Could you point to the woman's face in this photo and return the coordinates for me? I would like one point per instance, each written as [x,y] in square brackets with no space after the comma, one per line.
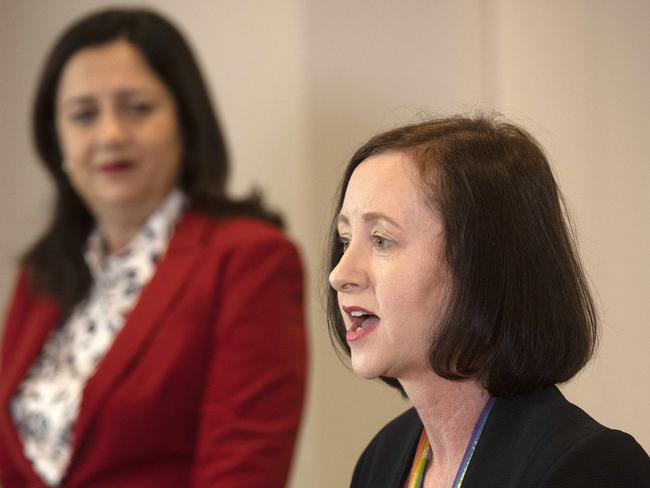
[391,281]
[118,130]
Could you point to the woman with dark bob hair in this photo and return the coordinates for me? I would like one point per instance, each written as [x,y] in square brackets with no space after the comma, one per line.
[155,336]
[456,280]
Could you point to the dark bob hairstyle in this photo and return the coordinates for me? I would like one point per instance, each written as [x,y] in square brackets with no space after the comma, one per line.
[56,262]
[520,315]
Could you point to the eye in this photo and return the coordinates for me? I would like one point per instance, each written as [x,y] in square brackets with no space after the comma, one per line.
[138,108]
[345,243]
[381,242]
[82,116]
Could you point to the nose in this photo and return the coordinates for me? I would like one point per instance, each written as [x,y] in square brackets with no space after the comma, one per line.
[112,129]
[350,274]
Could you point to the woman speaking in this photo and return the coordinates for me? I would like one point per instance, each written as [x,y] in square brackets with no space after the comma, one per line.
[454,278]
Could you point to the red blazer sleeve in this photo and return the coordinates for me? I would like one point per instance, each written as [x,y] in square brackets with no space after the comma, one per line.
[254,390]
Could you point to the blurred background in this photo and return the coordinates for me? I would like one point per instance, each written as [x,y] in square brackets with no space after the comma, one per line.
[300,84]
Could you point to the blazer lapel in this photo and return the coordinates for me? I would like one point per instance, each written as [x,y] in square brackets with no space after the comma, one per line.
[173,271]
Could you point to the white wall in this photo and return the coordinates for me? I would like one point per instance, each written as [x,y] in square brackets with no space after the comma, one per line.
[300,84]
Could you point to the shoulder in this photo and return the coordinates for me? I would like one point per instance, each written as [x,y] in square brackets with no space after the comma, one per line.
[222,240]
[24,305]
[390,452]
[544,440]
[236,232]
[24,295]
[582,452]
[602,458]
[242,250]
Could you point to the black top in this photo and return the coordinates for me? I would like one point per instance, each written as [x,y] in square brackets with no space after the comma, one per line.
[535,440]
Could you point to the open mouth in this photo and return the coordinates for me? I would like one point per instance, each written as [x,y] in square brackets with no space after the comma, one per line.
[361,319]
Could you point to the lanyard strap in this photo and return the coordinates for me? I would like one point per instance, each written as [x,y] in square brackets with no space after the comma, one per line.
[423,453]
[420,462]
[478,428]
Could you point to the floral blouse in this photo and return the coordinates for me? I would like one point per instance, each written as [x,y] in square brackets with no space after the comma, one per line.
[46,404]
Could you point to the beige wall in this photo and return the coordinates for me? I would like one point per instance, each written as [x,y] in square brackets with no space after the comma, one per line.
[301,83]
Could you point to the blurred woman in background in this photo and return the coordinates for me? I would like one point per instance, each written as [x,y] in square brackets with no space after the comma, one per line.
[155,336]
[455,279]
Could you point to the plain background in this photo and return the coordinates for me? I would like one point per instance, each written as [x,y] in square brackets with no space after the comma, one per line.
[300,84]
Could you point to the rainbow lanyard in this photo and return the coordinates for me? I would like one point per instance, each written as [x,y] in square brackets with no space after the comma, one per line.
[420,462]
[423,453]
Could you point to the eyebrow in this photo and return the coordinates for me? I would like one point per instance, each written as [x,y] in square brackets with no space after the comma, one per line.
[81,99]
[368,217]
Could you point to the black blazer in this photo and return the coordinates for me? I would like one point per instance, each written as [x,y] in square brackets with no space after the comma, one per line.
[535,440]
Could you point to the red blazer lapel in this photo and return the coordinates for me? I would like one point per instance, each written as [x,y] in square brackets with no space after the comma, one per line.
[172,273]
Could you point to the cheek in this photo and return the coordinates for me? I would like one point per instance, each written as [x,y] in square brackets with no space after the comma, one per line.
[163,143]
[418,281]
[416,295]
[170,138]
[73,146]
[167,128]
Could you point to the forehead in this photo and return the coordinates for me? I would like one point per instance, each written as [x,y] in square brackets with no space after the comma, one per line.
[386,183]
[102,69]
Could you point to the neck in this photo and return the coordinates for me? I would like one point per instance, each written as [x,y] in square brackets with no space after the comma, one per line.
[118,228]
[449,411]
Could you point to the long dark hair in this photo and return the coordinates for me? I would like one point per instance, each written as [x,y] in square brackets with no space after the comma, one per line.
[56,263]
[520,315]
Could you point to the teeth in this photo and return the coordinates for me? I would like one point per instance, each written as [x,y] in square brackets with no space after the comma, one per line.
[358,313]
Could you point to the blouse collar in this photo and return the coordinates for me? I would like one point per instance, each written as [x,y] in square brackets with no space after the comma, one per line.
[152,236]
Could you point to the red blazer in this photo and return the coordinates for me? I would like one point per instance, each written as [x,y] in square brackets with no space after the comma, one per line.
[204,384]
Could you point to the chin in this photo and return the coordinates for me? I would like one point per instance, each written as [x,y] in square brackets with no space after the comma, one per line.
[125,198]
[368,370]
